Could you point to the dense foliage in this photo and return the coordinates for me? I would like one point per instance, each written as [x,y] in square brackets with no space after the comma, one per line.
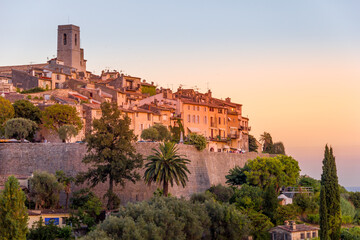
[39,231]
[166,166]
[13,213]
[199,141]
[20,128]
[110,153]
[66,132]
[158,132]
[44,190]
[57,115]
[34,90]
[25,109]
[171,218]
[6,111]
[253,147]
[330,213]
[280,171]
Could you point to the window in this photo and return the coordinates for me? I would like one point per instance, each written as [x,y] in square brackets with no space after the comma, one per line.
[219,120]
[188,107]
[189,118]
[64,38]
[193,120]
[164,117]
[198,108]
[198,119]
[149,116]
[220,110]
[75,39]
[302,236]
[313,234]
[57,76]
[205,119]
[204,109]
[193,108]
[137,114]
[308,235]
[211,109]
[224,121]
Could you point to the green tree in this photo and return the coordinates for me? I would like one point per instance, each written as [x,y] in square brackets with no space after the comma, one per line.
[13,213]
[347,208]
[278,148]
[248,197]
[271,203]
[45,190]
[66,182]
[25,109]
[57,115]
[280,171]
[176,131]
[285,212]
[164,134]
[221,193]
[6,112]
[39,231]
[66,132]
[237,175]
[150,134]
[88,207]
[166,166]
[306,181]
[330,213]
[305,203]
[354,197]
[267,141]
[252,144]
[111,153]
[199,141]
[20,128]
[260,224]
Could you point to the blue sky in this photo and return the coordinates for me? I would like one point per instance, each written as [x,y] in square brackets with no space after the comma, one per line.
[294,65]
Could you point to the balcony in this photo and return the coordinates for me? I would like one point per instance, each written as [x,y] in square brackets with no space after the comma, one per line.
[218,139]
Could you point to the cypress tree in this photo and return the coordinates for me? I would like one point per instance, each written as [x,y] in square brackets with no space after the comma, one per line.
[330,213]
[13,213]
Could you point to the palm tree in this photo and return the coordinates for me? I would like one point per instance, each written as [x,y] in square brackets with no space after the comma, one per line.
[66,182]
[166,165]
[267,141]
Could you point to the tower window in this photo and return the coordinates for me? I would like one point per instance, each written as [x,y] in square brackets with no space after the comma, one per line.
[65,39]
[75,39]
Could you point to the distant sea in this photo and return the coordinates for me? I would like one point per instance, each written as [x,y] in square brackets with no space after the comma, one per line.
[353,189]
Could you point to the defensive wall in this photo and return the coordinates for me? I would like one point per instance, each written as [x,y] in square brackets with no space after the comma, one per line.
[207,168]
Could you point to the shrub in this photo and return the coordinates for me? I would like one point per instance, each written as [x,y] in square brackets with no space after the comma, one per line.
[221,193]
[20,128]
[313,218]
[350,233]
[199,141]
[34,90]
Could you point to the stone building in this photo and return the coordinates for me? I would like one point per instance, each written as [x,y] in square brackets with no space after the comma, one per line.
[68,49]
[293,231]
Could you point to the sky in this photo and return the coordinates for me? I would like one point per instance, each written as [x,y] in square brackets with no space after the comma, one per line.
[294,65]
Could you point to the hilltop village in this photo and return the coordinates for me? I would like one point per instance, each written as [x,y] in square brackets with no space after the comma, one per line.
[66,81]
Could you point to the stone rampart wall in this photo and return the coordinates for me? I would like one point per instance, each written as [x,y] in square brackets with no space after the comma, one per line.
[207,168]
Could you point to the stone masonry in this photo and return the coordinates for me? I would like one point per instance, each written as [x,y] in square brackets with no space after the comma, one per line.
[207,168]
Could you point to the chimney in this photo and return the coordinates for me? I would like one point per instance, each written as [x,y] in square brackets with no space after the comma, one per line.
[152,83]
[293,225]
[228,99]
[286,223]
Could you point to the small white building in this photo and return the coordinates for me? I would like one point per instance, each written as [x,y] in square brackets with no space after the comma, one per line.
[284,200]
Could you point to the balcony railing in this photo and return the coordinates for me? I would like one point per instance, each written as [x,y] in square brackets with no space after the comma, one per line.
[218,139]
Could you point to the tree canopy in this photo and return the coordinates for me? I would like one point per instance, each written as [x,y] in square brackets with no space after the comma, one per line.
[13,212]
[158,132]
[198,140]
[25,109]
[20,128]
[252,144]
[6,111]
[110,152]
[45,190]
[57,115]
[280,171]
[66,132]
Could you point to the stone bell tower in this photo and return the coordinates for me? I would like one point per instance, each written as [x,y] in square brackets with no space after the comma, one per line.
[68,49]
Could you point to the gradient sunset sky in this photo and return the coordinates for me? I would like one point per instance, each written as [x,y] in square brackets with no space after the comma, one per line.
[294,65]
